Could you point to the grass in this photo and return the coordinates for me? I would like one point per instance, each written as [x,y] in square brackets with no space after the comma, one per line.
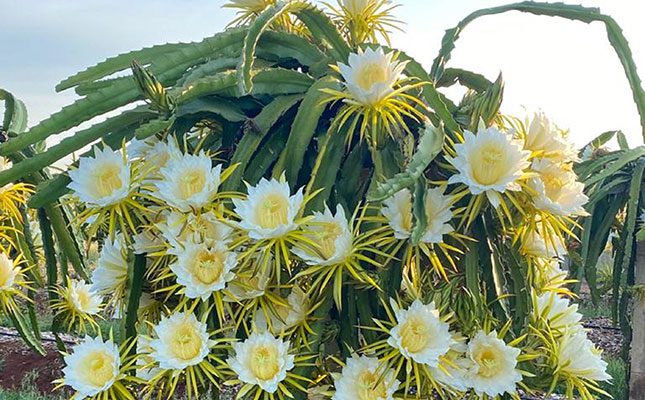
[618,387]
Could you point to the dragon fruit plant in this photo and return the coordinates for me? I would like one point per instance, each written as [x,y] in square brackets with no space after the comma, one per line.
[292,208]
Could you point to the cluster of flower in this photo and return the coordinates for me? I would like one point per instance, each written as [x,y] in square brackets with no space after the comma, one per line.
[200,252]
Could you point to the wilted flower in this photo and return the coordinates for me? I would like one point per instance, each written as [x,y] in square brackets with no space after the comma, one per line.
[269,211]
[362,378]
[493,365]
[490,162]
[103,180]
[262,360]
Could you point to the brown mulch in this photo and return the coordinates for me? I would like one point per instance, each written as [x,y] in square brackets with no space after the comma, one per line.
[605,335]
[22,366]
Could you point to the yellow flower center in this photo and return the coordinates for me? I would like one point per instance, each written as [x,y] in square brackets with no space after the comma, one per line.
[209,266]
[264,362]
[405,210]
[6,273]
[273,211]
[186,342]
[489,165]
[328,235]
[83,299]
[99,368]
[369,387]
[488,362]
[553,184]
[108,180]
[371,74]
[192,182]
[415,335]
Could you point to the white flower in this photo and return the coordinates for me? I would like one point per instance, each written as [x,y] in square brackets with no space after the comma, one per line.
[492,370]
[557,310]
[147,242]
[146,365]
[371,75]
[189,182]
[420,334]
[84,298]
[269,211]
[535,245]
[362,379]
[202,269]
[202,228]
[5,164]
[544,139]
[557,188]
[93,367]
[577,356]
[112,267]
[398,211]
[261,360]
[153,151]
[181,341]
[438,214]
[490,162]
[245,286]
[9,272]
[333,235]
[103,180]
[551,272]
[285,317]
[454,365]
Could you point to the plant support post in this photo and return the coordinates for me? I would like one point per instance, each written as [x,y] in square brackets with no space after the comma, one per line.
[637,379]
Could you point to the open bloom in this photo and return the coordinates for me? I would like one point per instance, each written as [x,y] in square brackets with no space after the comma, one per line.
[93,367]
[492,370]
[557,188]
[544,139]
[371,75]
[269,211]
[201,228]
[202,269]
[420,334]
[579,357]
[83,298]
[398,211]
[362,379]
[112,267]
[181,341]
[103,180]
[332,234]
[9,272]
[490,162]
[283,317]
[146,365]
[189,182]
[155,152]
[262,360]
[557,310]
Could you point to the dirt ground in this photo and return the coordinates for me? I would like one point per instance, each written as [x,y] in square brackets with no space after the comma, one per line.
[21,366]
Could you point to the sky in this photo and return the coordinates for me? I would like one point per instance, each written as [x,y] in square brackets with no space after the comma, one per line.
[566,69]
